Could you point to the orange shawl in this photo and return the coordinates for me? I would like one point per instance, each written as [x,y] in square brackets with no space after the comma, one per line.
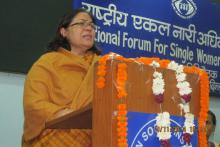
[56,81]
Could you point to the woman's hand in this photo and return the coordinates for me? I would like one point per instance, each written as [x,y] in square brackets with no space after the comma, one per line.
[61,113]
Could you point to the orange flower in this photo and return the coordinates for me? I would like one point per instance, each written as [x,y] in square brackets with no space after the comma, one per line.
[122,106]
[122,140]
[122,112]
[122,134]
[122,129]
[164,63]
[121,118]
[121,58]
[100,83]
[121,78]
[122,144]
[101,72]
[122,124]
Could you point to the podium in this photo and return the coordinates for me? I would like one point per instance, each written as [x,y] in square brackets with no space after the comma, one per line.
[101,115]
[140,98]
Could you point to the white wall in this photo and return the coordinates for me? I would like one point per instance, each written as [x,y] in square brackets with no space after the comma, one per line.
[11,110]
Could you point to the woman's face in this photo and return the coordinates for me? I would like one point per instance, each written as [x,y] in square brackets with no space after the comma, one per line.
[80,33]
[210,127]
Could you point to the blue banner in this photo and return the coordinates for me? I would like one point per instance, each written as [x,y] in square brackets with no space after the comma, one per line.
[186,31]
[142,132]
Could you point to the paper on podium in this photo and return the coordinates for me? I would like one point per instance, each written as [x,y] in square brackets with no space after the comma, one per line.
[80,119]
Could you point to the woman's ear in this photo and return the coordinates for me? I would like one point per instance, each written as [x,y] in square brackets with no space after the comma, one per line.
[63,32]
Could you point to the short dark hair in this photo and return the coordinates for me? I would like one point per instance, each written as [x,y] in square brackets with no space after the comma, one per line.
[60,41]
[213,117]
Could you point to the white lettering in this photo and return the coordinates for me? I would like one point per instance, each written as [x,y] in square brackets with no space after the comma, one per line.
[207,58]
[161,48]
[135,43]
[139,144]
[108,37]
[181,53]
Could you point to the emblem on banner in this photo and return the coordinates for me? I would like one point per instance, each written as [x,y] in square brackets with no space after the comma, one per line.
[184,8]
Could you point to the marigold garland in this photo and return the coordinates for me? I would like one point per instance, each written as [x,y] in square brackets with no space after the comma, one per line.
[122,108]
[204,102]
[101,71]
[121,78]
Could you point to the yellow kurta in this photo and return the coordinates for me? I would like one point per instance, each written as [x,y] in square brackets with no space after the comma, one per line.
[56,81]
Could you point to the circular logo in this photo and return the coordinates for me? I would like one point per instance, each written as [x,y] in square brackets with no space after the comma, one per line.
[184,8]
